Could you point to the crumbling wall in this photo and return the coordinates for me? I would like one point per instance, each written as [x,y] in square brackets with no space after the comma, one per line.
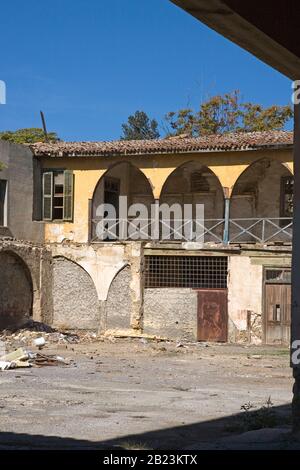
[25,283]
[171,313]
[104,262]
[16,293]
[118,307]
[75,300]
[245,285]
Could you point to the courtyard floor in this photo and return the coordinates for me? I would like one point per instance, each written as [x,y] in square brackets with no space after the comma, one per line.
[135,394]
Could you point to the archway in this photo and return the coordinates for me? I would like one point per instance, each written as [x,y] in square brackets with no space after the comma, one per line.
[75,299]
[193,183]
[262,203]
[122,179]
[16,291]
[119,304]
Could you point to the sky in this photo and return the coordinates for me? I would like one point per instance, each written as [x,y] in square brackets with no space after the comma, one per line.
[90,64]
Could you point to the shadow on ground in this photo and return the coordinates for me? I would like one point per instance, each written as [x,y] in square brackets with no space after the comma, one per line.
[264,428]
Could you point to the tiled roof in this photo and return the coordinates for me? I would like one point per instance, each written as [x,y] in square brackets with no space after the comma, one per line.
[210,143]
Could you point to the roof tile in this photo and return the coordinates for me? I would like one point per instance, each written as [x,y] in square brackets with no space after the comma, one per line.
[210,143]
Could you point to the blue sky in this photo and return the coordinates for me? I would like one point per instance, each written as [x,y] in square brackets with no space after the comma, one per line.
[89,64]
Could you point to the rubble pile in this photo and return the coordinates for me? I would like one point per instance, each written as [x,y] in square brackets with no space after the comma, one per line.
[33,330]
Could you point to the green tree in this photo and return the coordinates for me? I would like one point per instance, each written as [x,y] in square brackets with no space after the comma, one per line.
[140,127]
[28,136]
[226,113]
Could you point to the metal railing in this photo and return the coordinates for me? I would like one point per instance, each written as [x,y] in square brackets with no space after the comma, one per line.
[261,230]
[239,231]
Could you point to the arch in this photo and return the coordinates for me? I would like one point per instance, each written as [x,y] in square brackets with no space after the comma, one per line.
[258,193]
[16,290]
[75,299]
[186,164]
[118,305]
[121,179]
[244,168]
[194,183]
[261,171]
[116,164]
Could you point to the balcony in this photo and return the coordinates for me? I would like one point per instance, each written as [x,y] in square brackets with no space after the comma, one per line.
[219,231]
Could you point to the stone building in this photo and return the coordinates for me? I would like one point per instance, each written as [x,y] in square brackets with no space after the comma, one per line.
[233,286]
[25,263]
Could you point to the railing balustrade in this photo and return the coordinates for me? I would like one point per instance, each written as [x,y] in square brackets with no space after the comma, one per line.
[240,231]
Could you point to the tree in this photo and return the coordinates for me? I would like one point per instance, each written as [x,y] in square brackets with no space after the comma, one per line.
[226,113]
[28,136]
[140,127]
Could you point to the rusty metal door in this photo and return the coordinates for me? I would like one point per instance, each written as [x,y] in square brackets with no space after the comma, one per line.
[212,315]
[277,313]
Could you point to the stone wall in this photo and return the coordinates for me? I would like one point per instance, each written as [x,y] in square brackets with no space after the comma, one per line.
[25,283]
[118,307]
[75,300]
[19,171]
[171,313]
[245,283]
[16,293]
[114,271]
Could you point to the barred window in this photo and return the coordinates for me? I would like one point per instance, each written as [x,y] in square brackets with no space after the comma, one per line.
[198,272]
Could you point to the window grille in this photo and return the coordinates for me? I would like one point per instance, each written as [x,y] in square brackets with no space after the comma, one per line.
[198,272]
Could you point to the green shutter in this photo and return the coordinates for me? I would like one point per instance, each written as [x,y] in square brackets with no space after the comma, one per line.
[68,195]
[47,195]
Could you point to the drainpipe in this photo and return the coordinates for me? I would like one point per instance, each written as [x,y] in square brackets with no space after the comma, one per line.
[295,320]
[226,216]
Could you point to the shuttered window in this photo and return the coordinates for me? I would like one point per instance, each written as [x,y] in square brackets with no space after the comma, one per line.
[68,195]
[47,195]
[58,195]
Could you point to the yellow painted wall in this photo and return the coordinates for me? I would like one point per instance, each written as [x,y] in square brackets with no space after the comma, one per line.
[227,166]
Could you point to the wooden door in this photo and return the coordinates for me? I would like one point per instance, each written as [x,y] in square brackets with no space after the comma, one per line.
[277,313]
[212,315]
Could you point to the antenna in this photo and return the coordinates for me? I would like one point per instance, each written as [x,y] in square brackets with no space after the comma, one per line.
[44,125]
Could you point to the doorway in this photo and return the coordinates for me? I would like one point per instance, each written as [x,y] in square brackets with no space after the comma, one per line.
[277,305]
[212,315]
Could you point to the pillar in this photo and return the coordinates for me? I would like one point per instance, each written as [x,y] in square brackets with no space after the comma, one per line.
[226,216]
[295,320]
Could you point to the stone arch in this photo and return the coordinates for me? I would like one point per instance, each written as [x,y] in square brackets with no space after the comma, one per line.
[118,306]
[243,168]
[75,299]
[121,179]
[260,186]
[137,176]
[195,183]
[258,203]
[16,290]
[189,174]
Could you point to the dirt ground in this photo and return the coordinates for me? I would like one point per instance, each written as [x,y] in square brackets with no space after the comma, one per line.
[133,393]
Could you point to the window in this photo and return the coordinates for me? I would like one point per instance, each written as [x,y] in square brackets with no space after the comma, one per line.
[3,209]
[58,195]
[278,276]
[286,196]
[198,272]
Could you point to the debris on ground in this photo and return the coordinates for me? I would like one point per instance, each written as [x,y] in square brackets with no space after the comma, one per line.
[22,358]
[39,342]
[38,334]
[47,360]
